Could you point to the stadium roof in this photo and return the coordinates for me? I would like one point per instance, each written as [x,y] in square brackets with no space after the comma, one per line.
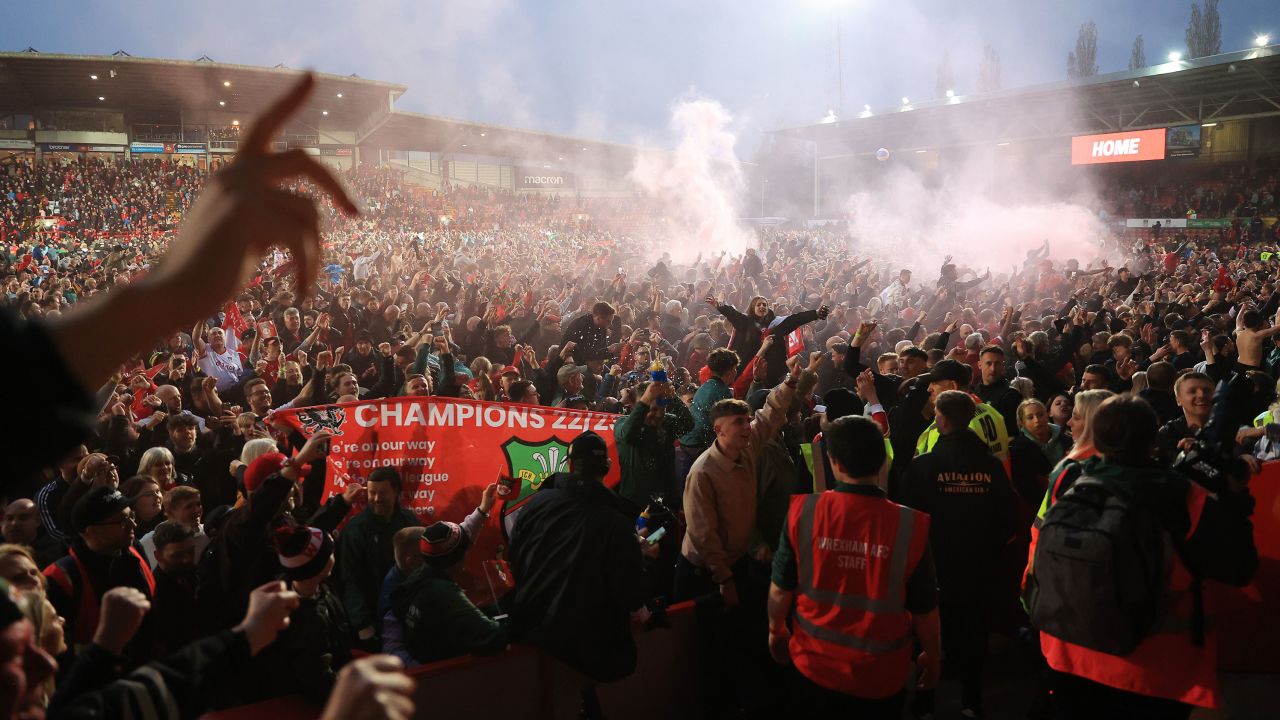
[1231,86]
[414,131]
[161,88]
[155,90]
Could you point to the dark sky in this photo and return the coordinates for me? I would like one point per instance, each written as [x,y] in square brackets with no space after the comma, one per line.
[613,70]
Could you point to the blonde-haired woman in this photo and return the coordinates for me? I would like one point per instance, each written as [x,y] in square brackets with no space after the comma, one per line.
[157,464]
[1034,451]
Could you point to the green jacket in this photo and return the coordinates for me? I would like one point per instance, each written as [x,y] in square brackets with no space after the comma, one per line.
[647,455]
[365,556]
[710,393]
[439,621]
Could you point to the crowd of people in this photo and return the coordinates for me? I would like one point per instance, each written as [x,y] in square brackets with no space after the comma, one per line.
[849,466]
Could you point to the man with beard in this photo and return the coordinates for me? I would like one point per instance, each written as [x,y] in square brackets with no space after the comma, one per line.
[368,553]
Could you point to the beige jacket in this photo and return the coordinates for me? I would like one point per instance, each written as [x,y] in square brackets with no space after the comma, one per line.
[720,494]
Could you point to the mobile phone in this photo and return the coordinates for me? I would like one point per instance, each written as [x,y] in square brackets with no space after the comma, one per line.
[655,536]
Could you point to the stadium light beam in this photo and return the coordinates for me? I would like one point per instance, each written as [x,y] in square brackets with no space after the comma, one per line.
[1262,40]
[1175,56]
[235,123]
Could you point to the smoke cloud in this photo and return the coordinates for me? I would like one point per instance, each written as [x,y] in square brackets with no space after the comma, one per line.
[699,185]
[915,221]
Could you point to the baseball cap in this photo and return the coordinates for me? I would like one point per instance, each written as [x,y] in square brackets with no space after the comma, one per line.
[952,370]
[842,402]
[507,370]
[97,505]
[588,445]
[567,371]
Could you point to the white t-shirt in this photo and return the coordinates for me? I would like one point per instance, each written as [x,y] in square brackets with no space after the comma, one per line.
[225,366]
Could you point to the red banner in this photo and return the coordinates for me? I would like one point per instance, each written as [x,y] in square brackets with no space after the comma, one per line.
[447,451]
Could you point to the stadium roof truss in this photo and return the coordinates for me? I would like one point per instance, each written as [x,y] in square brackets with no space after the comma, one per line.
[150,90]
[1232,86]
[162,89]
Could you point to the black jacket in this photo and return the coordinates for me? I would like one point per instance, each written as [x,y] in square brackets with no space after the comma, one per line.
[1001,396]
[307,656]
[579,575]
[964,489]
[748,333]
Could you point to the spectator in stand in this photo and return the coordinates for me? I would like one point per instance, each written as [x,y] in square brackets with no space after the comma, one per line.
[720,513]
[645,440]
[1172,669]
[317,643]
[101,557]
[1194,394]
[581,572]
[144,495]
[18,567]
[175,580]
[1159,391]
[181,505]
[436,617]
[723,367]
[21,526]
[409,558]
[367,552]
[993,386]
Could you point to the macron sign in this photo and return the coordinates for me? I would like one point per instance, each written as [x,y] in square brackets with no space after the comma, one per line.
[1118,147]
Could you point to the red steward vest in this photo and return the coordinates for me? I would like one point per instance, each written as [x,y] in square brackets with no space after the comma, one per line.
[851,632]
[1168,664]
[88,598]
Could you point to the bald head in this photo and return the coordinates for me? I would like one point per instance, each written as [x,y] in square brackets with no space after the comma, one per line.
[21,522]
[171,397]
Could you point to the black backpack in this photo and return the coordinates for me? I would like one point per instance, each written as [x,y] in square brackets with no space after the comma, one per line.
[1101,566]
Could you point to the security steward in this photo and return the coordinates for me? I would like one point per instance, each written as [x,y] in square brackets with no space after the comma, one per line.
[854,574]
[965,491]
[987,422]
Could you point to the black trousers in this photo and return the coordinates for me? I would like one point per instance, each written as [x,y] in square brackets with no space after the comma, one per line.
[1076,698]
[964,653]
[735,672]
[814,701]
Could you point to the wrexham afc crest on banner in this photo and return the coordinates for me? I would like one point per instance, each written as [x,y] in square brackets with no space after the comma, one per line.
[532,463]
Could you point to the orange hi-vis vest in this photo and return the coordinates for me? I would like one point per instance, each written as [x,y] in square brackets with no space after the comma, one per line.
[851,632]
[1168,663]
